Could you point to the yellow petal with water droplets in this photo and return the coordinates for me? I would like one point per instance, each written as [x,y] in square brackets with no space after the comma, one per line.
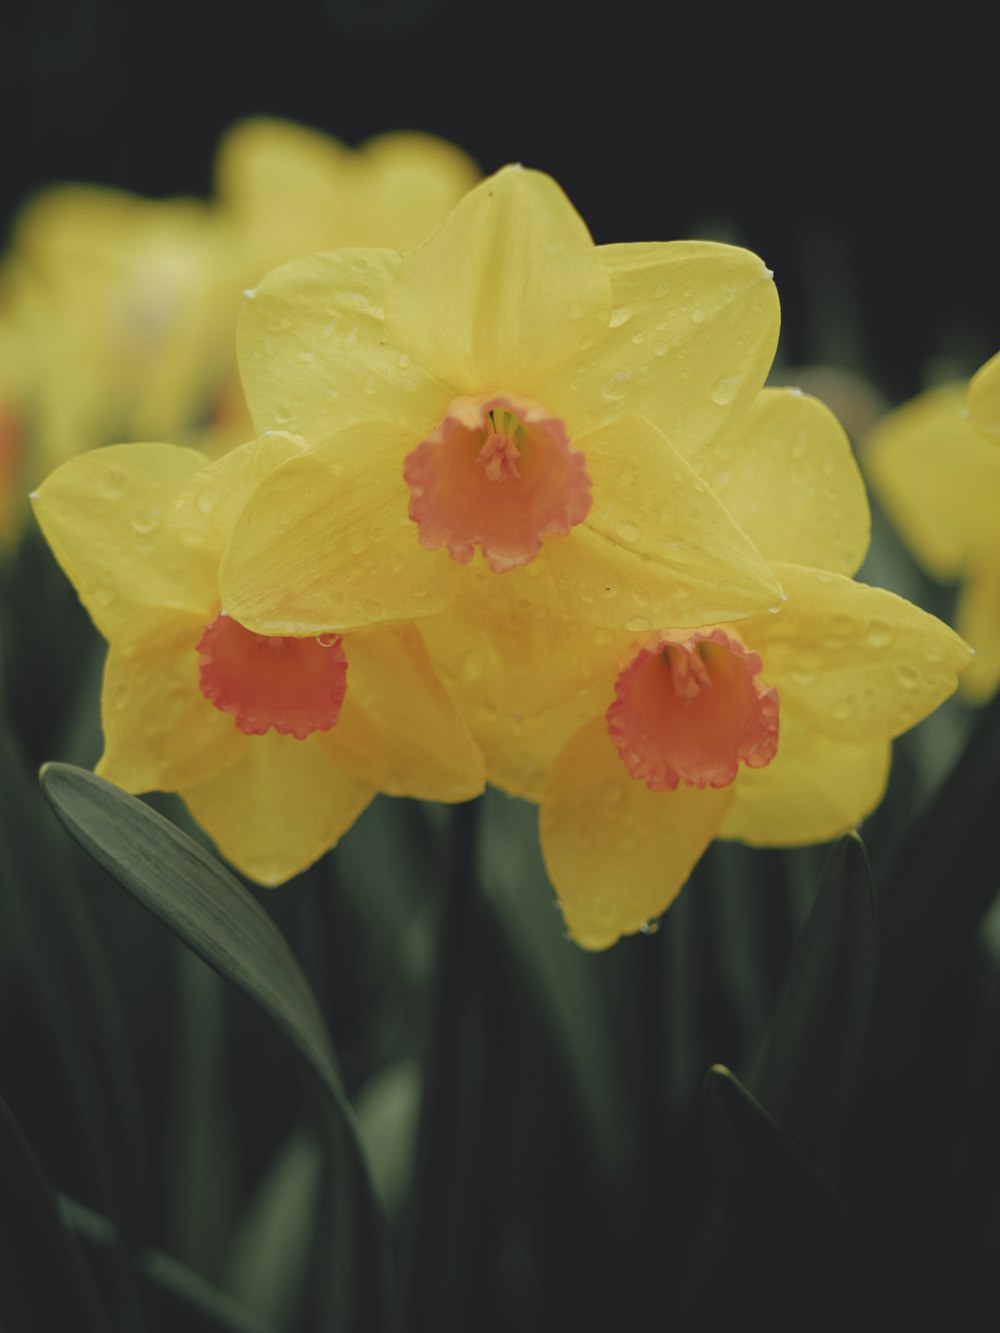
[787,475]
[325,543]
[279,807]
[937,478]
[812,790]
[657,549]
[508,648]
[984,400]
[315,354]
[398,730]
[508,288]
[160,732]
[978,619]
[102,514]
[857,663]
[617,853]
[206,510]
[691,337]
[520,752]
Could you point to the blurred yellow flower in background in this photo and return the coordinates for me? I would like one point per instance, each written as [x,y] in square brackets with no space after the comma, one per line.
[125,308]
[275,745]
[938,477]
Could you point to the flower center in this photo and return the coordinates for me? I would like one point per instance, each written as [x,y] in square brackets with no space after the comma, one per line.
[690,708]
[294,685]
[497,473]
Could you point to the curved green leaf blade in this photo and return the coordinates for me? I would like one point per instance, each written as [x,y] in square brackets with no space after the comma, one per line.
[213,914]
[44,1282]
[177,1292]
[813,1046]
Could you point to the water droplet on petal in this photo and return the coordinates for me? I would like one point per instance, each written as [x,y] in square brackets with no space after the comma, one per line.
[726,390]
[619,316]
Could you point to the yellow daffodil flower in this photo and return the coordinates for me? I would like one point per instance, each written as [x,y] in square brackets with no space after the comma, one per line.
[774,730]
[128,305]
[275,745]
[289,191]
[938,477]
[787,476]
[507,391]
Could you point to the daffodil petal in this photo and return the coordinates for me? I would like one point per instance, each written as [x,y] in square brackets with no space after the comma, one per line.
[315,354]
[812,790]
[206,510]
[657,548]
[102,515]
[404,185]
[857,663]
[510,648]
[938,479]
[978,620]
[692,334]
[279,807]
[160,732]
[617,853]
[398,730]
[520,751]
[984,399]
[325,543]
[787,475]
[506,289]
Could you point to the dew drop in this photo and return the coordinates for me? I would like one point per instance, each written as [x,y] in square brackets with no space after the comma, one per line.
[638,624]
[627,532]
[698,316]
[113,483]
[726,390]
[617,386]
[908,676]
[879,635]
[144,521]
[619,316]
[327,640]
[842,710]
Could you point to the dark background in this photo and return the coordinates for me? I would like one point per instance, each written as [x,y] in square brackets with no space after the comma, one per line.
[858,161]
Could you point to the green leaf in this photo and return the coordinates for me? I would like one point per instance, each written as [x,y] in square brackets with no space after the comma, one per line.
[939,883]
[781,1246]
[52,935]
[176,1291]
[757,1158]
[812,1049]
[44,1281]
[215,916]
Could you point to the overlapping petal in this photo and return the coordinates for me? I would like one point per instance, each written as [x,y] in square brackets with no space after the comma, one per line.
[812,790]
[102,514]
[938,479]
[984,400]
[616,852]
[326,543]
[856,663]
[690,340]
[160,732]
[398,730]
[316,356]
[508,288]
[657,548]
[205,510]
[509,649]
[278,807]
[787,475]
